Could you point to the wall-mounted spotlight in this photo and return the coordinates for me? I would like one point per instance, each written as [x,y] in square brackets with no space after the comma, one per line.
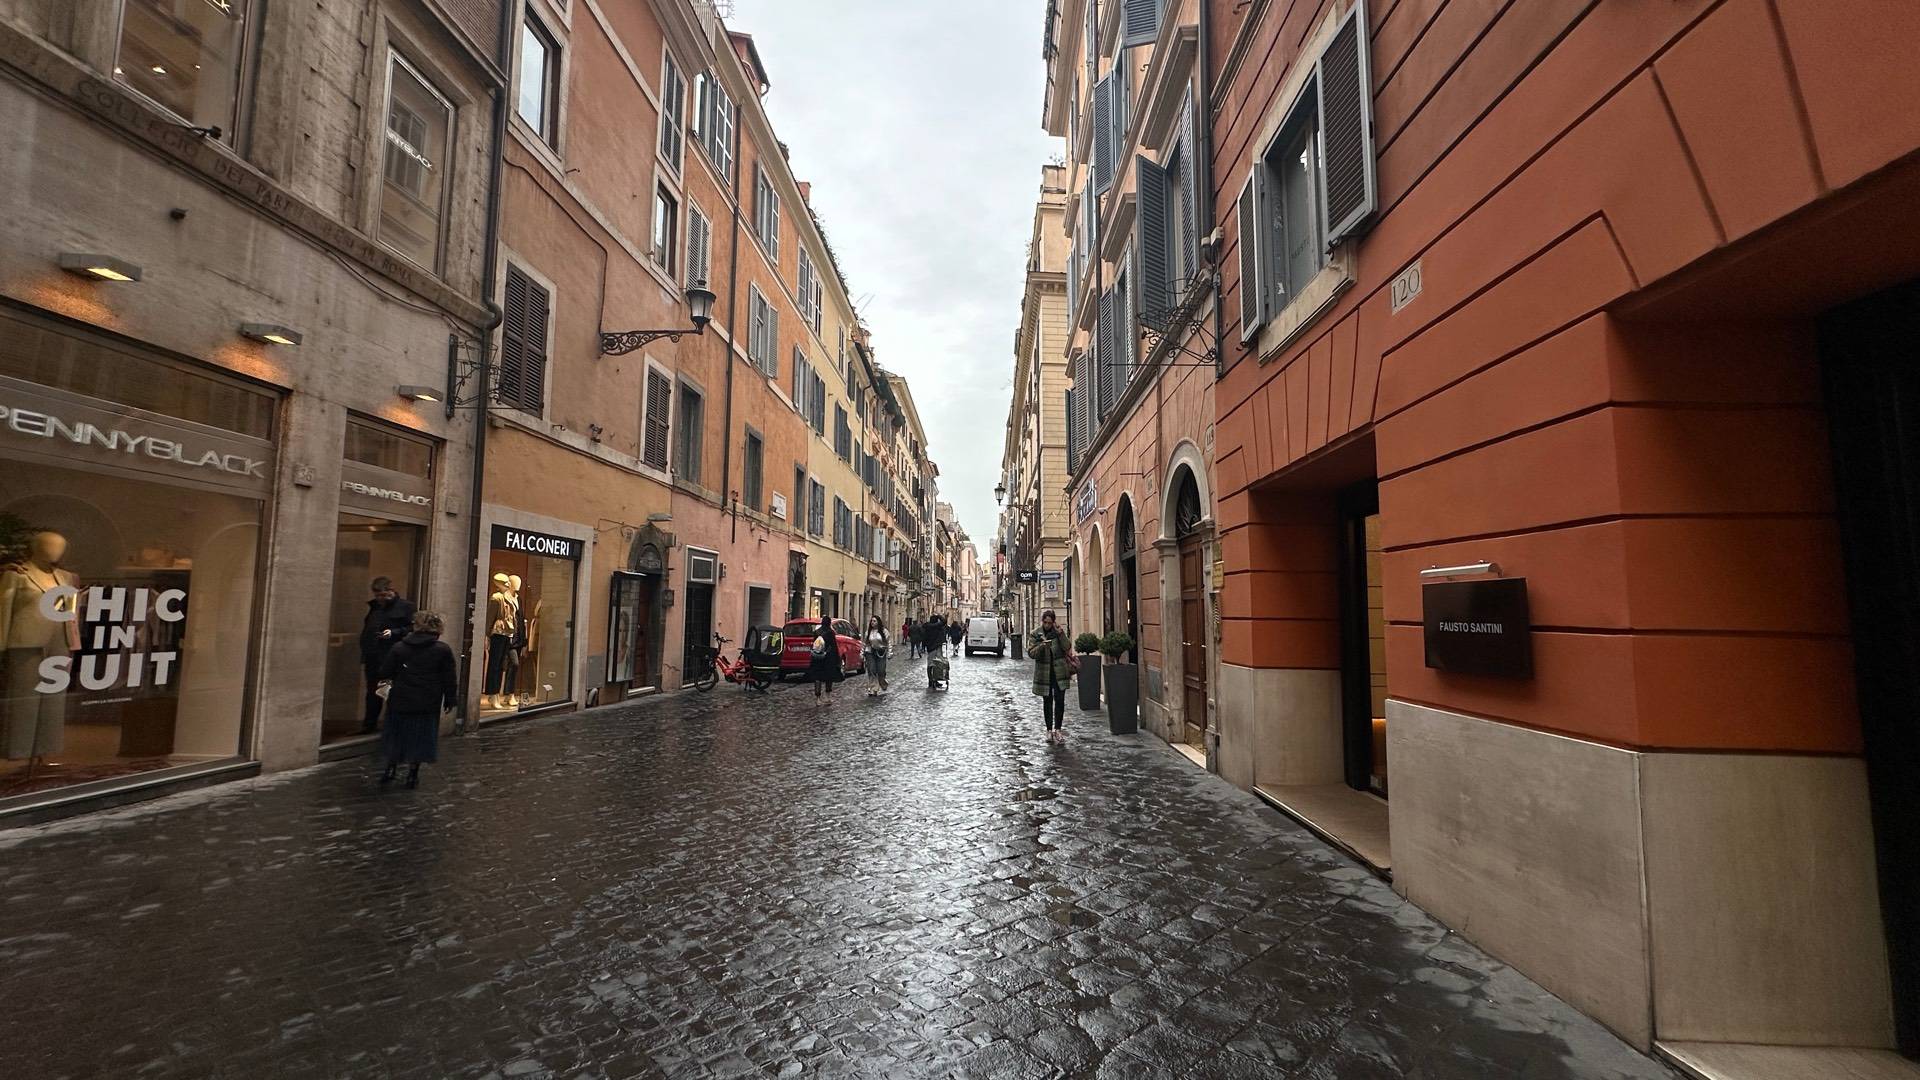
[98,267]
[269,333]
[417,393]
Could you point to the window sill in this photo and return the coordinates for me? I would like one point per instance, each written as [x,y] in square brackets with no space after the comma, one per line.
[534,144]
[1305,310]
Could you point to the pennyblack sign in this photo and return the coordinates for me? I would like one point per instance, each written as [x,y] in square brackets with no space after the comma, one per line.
[1479,627]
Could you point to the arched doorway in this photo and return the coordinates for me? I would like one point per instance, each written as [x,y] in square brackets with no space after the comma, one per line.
[1189,537]
[1127,575]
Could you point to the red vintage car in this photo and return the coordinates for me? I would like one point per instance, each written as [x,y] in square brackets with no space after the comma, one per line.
[797,654]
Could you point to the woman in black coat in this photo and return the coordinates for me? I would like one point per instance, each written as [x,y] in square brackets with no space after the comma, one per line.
[424,682]
[824,668]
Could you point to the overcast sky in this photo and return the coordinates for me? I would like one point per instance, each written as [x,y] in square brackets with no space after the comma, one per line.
[920,133]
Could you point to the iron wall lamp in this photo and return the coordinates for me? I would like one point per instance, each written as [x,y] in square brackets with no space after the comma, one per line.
[699,307]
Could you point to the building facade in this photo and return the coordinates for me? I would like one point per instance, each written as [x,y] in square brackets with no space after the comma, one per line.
[1123,89]
[1567,362]
[255,252]
[1031,549]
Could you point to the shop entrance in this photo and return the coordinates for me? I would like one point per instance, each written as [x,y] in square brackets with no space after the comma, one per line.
[1363,642]
[1193,610]
[702,576]
[1870,360]
[366,549]
[1128,587]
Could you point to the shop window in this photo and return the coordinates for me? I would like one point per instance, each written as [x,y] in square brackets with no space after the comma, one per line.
[538,102]
[529,620]
[666,228]
[413,194]
[686,458]
[185,54]
[127,579]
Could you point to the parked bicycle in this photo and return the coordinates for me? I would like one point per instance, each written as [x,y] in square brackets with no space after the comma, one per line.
[717,666]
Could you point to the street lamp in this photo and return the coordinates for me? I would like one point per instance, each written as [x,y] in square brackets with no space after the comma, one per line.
[699,305]
[999,493]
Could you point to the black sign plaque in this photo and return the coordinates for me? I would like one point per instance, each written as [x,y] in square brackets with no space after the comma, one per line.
[1479,627]
[508,538]
[1026,577]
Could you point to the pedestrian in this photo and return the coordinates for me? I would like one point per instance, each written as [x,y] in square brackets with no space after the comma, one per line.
[906,635]
[422,685]
[956,632]
[389,618]
[824,669]
[1053,669]
[876,656]
[934,635]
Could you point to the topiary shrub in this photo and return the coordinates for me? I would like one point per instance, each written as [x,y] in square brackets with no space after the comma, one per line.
[1116,645]
[1087,644]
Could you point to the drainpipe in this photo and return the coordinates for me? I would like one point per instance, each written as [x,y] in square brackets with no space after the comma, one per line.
[490,266]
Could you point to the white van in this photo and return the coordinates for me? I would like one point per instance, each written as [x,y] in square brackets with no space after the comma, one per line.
[983,634]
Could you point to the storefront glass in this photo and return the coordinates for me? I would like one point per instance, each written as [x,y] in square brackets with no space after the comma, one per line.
[131,493]
[386,499]
[529,620]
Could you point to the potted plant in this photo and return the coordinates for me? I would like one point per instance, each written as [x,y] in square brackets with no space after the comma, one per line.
[1088,646]
[1122,683]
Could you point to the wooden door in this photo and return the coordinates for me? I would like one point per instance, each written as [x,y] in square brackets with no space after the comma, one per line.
[1193,640]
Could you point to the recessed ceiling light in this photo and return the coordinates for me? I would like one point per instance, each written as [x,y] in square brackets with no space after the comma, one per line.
[157,70]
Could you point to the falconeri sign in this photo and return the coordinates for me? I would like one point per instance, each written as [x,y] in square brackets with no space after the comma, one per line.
[507,538]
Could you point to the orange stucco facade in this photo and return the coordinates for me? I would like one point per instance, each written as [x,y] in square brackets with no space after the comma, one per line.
[1579,392]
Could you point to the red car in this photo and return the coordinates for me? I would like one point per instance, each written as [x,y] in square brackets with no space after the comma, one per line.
[797,654]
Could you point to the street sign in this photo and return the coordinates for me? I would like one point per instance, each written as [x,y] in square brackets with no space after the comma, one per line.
[1025,577]
[1049,575]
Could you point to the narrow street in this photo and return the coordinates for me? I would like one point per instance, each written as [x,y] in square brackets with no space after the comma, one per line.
[734,885]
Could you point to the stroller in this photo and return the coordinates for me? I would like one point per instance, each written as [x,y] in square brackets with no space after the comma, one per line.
[937,671]
[762,650]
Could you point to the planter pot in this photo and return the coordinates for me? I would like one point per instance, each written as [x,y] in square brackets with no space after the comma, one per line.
[1089,681]
[1122,682]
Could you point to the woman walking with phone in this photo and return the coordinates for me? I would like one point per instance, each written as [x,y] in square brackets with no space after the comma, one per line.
[1053,669]
[876,656]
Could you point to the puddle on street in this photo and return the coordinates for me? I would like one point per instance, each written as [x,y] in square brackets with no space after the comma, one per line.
[1076,917]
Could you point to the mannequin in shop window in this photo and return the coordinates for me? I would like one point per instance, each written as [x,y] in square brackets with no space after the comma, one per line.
[505,638]
[36,722]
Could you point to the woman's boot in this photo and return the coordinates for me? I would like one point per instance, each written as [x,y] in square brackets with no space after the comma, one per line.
[413,776]
[392,768]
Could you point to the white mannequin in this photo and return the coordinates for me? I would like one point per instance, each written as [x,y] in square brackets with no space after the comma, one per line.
[35,722]
[503,619]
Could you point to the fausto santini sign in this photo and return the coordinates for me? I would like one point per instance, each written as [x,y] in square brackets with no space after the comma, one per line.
[1479,627]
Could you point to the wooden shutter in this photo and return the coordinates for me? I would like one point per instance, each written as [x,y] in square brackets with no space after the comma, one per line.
[1103,148]
[699,247]
[1128,340]
[1073,441]
[1152,243]
[1141,22]
[1189,208]
[653,448]
[1107,348]
[801,384]
[1253,242]
[523,344]
[1346,129]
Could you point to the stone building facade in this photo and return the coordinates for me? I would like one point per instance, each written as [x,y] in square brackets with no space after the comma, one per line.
[249,248]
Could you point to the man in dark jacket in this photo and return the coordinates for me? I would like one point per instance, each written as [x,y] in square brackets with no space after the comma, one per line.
[389,617]
[936,635]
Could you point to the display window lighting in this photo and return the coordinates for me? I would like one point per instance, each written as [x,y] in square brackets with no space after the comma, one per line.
[99,267]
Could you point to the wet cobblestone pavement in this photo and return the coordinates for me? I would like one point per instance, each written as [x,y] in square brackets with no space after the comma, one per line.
[728,885]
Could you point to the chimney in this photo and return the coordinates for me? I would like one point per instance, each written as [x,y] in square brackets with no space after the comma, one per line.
[806,192]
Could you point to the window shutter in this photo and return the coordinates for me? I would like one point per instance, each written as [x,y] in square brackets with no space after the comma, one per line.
[1073,441]
[1129,336]
[1189,208]
[1103,134]
[799,382]
[1108,353]
[1346,129]
[699,247]
[659,395]
[1141,23]
[1153,279]
[1253,242]
[769,358]
[523,344]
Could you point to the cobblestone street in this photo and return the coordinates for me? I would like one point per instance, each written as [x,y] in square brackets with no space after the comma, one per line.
[736,885]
